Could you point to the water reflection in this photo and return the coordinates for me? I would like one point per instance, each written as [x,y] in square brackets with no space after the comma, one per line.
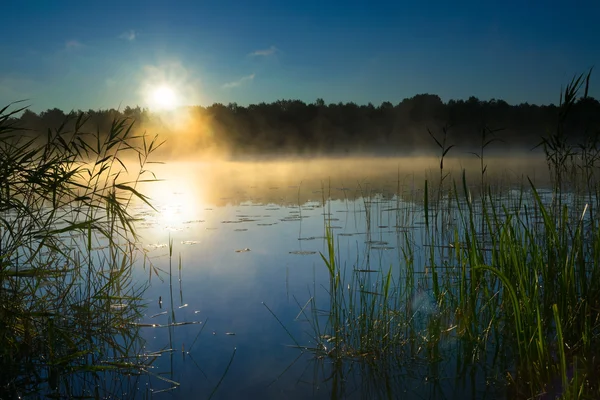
[248,234]
[68,331]
[233,300]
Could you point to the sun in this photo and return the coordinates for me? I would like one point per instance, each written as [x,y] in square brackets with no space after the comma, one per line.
[164,97]
[167,87]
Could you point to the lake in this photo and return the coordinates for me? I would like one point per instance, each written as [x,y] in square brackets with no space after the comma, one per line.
[249,286]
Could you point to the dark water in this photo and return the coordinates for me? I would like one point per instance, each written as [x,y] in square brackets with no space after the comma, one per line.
[246,243]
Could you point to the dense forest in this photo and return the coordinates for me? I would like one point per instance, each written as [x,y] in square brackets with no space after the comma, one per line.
[289,127]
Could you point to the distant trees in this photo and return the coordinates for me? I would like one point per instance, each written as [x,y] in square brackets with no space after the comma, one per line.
[292,126]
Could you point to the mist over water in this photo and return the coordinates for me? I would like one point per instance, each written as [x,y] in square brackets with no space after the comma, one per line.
[302,179]
[244,233]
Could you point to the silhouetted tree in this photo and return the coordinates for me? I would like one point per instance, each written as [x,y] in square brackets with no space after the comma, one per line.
[292,126]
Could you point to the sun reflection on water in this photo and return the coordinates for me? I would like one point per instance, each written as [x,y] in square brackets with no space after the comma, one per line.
[177,200]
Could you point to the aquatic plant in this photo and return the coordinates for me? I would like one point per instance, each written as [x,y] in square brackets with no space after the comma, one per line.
[510,288]
[67,244]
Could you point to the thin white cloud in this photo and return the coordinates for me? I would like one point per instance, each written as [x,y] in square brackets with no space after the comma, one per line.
[265,52]
[73,44]
[239,82]
[129,35]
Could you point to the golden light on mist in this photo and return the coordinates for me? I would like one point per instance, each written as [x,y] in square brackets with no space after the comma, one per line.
[171,91]
[192,186]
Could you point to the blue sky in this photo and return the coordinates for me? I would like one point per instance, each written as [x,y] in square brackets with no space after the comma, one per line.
[105,54]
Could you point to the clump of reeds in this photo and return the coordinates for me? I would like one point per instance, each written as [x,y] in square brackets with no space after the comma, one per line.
[67,244]
[522,301]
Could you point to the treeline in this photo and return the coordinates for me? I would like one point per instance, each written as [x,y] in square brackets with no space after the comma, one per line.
[295,127]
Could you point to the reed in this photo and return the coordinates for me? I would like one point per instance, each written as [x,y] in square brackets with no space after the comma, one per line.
[67,245]
[511,284]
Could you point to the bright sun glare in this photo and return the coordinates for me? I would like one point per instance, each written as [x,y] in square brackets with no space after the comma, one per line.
[164,98]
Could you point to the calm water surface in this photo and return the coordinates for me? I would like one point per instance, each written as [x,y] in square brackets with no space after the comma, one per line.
[247,236]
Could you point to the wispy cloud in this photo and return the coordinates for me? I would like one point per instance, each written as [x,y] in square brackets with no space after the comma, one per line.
[239,82]
[265,52]
[129,35]
[73,44]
